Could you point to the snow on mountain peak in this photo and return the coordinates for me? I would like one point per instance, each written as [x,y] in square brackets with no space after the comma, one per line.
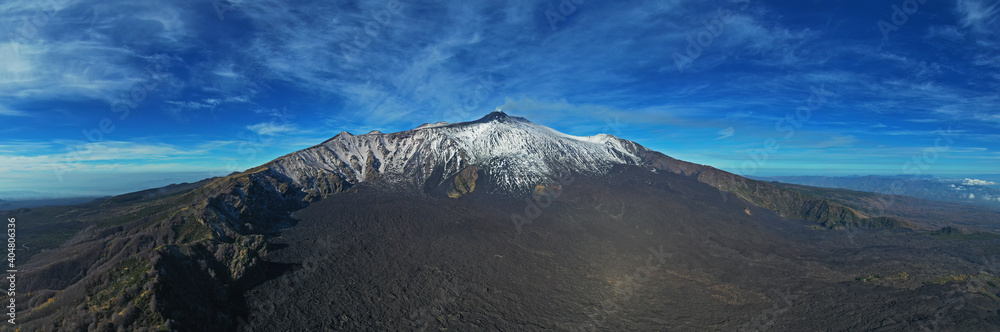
[433,125]
[499,116]
[513,151]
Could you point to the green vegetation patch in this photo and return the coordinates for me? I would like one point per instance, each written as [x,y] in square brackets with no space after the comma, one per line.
[130,272]
[126,297]
[874,277]
[951,278]
[191,231]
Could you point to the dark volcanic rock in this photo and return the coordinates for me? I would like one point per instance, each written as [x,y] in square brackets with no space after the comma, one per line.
[496,224]
[634,251]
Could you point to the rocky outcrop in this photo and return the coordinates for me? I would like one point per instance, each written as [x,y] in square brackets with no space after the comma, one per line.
[464,183]
[253,202]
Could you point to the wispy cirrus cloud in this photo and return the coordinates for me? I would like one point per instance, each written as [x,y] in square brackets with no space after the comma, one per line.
[4,111]
[726,133]
[270,128]
[109,155]
[979,15]
[608,68]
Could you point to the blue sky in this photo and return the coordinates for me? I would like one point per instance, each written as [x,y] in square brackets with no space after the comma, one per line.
[104,97]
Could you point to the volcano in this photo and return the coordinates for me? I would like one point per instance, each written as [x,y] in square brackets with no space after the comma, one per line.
[501,224]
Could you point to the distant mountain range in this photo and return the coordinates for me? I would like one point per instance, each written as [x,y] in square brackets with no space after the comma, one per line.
[966,190]
[501,224]
[30,203]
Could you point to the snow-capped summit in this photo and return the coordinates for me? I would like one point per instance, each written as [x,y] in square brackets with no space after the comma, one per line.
[499,116]
[513,151]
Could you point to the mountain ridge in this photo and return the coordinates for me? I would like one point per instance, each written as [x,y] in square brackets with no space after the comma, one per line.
[217,232]
[513,160]
[505,150]
[926,187]
[516,151]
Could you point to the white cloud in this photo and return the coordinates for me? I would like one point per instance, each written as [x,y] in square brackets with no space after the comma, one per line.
[10,112]
[270,128]
[208,103]
[977,182]
[23,147]
[104,156]
[948,32]
[726,133]
[977,14]
[83,50]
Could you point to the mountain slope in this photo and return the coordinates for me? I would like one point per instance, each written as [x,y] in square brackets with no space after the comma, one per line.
[631,250]
[519,155]
[199,250]
[925,213]
[515,152]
